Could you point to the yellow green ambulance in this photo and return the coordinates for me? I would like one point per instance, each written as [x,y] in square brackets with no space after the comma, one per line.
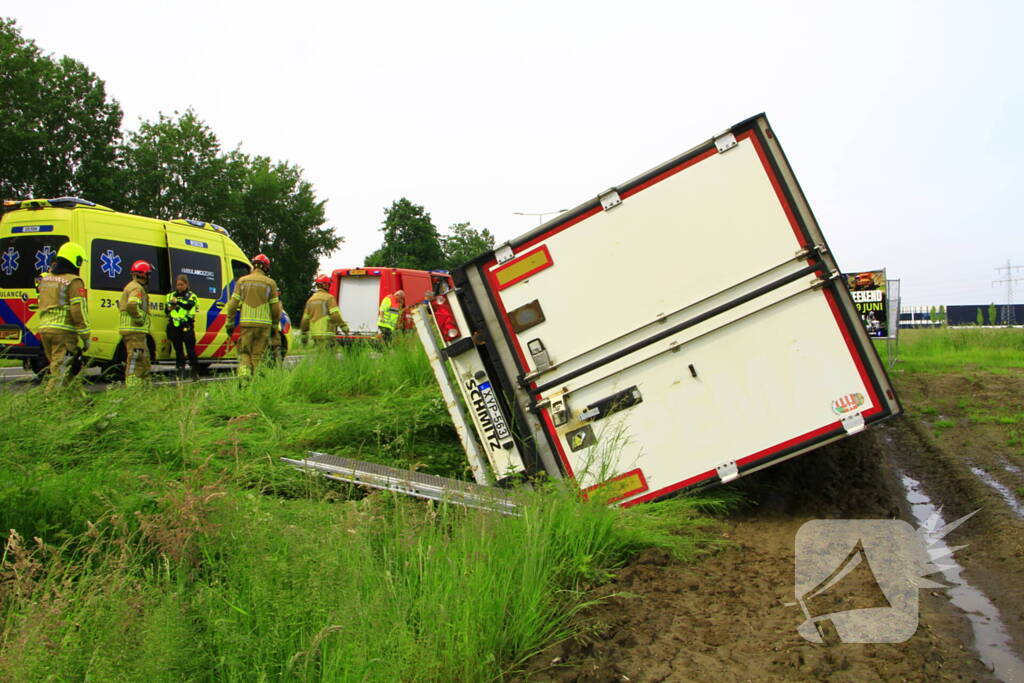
[31,232]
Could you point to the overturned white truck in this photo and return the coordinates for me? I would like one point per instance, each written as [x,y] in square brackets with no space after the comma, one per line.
[683,328]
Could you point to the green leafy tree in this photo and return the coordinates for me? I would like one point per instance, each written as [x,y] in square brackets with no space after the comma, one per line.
[59,132]
[980,318]
[942,314]
[464,243]
[410,239]
[274,210]
[933,314]
[176,169]
[992,313]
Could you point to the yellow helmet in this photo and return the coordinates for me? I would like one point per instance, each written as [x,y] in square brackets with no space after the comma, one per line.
[73,253]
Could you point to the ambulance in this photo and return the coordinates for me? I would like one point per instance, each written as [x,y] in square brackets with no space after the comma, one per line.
[359,292]
[31,232]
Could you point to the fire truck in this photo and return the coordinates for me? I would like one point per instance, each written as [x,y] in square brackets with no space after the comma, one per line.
[359,292]
[738,347]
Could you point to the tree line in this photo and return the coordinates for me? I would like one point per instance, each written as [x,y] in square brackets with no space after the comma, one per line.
[61,135]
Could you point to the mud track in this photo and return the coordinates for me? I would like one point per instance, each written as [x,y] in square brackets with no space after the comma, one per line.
[726,618]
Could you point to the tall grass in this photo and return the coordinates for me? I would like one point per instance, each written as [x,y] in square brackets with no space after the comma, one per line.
[172,545]
[951,350]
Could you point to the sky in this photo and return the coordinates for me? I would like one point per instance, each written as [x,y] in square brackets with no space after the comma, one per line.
[901,119]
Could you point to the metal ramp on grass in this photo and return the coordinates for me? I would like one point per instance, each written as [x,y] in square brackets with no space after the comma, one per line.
[418,484]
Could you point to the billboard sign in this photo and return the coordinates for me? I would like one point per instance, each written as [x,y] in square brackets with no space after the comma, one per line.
[870,296]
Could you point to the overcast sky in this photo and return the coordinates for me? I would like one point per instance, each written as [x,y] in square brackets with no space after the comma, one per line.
[902,120]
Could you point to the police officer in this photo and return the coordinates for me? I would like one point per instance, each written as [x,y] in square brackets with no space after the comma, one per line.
[63,312]
[182,306]
[389,313]
[321,316]
[134,325]
[256,296]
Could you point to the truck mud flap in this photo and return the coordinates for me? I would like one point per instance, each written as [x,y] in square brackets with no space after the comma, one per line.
[416,484]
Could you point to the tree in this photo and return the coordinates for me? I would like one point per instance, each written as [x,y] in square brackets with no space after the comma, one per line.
[980,318]
[410,239]
[178,170]
[275,211]
[942,314]
[933,315]
[175,169]
[464,244]
[992,320]
[59,132]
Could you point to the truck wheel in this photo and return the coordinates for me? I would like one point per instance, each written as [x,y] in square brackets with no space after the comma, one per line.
[114,370]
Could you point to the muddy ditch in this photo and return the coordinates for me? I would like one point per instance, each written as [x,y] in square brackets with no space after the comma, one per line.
[732,617]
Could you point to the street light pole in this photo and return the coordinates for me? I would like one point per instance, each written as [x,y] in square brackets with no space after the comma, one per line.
[540,216]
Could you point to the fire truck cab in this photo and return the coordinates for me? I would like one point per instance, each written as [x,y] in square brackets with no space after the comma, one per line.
[359,292]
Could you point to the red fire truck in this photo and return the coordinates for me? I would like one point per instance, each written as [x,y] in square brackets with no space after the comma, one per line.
[359,292]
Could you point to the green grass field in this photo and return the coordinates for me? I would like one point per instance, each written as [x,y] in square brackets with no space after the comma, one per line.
[954,350]
[155,536]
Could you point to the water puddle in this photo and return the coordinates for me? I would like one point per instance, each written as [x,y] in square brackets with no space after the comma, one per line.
[991,641]
[1002,490]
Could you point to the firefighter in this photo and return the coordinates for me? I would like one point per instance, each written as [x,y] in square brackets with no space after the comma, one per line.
[321,317]
[134,325]
[63,312]
[256,296]
[390,312]
[182,306]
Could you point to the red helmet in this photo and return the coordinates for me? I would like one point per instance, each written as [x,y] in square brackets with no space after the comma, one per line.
[261,260]
[142,267]
[322,281]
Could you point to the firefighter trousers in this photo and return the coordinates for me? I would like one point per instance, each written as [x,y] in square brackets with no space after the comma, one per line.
[136,366]
[60,347]
[252,343]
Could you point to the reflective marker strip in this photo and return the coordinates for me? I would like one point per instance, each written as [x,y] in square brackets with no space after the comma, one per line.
[622,486]
[522,267]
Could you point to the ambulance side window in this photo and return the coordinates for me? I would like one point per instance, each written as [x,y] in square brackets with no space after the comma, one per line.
[203,271]
[239,268]
[23,258]
[110,262]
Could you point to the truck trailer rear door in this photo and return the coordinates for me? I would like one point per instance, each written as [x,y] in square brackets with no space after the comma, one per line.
[683,327]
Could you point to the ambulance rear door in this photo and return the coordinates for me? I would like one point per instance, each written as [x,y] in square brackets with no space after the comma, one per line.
[199,254]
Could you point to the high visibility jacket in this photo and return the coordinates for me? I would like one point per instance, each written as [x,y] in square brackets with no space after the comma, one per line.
[256,296]
[321,315]
[388,313]
[62,303]
[134,307]
[182,307]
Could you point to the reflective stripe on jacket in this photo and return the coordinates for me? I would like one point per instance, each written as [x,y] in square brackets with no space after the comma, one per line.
[134,307]
[256,297]
[182,307]
[321,315]
[388,318]
[62,303]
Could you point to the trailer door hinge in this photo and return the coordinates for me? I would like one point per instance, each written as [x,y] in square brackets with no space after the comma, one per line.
[854,423]
[609,199]
[725,142]
[503,253]
[728,471]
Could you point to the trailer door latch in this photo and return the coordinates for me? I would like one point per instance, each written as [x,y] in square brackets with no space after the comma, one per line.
[728,471]
[627,398]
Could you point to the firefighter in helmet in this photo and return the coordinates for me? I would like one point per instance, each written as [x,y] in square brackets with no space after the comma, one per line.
[134,325]
[389,314]
[256,298]
[63,312]
[321,316]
